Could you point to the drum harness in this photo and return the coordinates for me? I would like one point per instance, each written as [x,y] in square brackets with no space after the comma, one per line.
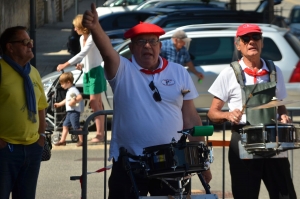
[257,117]
[240,76]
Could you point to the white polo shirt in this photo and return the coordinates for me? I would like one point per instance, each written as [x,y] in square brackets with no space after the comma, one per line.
[226,87]
[139,121]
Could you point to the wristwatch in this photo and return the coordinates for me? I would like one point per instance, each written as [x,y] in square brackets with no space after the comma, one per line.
[43,134]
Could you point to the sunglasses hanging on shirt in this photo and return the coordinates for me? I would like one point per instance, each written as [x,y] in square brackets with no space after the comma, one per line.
[156,95]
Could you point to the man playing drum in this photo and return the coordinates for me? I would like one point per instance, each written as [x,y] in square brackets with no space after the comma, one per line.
[149,105]
[261,85]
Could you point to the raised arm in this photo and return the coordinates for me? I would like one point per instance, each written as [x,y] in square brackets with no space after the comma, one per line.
[110,56]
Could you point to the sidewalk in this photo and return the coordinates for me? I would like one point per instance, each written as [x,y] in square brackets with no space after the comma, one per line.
[217,135]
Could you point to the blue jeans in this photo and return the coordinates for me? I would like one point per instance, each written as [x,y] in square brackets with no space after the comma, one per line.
[19,170]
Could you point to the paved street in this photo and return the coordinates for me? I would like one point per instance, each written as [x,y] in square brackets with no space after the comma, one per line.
[54,179]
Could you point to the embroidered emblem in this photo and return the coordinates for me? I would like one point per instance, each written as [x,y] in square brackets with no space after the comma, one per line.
[168,82]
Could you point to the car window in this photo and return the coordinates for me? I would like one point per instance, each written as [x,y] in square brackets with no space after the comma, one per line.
[126,21]
[182,22]
[219,50]
[295,16]
[270,50]
[134,2]
[174,21]
[106,23]
[118,3]
[145,5]
[213,50]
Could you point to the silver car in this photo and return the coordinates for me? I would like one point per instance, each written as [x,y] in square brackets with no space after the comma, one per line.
[212,49]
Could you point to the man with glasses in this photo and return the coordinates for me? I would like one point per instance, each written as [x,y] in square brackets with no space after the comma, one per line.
[174,50]
[252,81]
[22,116]
[153,100]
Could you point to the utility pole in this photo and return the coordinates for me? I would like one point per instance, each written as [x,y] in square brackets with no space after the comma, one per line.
[32,31]
[76,7]
[97,3]
[271,10]
[232,5]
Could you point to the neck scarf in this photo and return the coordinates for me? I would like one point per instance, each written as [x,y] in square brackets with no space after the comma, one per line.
[254,73]
[149,72]
[29,92]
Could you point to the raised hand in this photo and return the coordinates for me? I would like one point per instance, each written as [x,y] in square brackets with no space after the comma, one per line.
[90,18]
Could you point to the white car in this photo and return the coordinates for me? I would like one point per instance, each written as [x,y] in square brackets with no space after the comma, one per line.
[111,6]
[212,49]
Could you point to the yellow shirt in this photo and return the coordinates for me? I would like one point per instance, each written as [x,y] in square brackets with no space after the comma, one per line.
[15,127]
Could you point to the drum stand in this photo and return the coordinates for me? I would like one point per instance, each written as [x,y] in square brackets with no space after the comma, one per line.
[128,169]
[276,129]
[178,192]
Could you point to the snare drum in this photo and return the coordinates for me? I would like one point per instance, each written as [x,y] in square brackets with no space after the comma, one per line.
[263,138]
[173,160]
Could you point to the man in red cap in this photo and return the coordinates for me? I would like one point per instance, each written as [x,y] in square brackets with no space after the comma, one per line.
[258,82]
[153,100]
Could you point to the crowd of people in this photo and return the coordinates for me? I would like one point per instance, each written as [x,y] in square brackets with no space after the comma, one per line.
[150,106]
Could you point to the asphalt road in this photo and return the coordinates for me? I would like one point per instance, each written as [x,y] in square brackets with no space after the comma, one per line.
[54,179]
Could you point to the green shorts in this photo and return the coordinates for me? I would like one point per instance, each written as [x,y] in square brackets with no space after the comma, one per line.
[94,81]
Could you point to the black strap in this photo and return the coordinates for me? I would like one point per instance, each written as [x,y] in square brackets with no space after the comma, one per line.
[240,76]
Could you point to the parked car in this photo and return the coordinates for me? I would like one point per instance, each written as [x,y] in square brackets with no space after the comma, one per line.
[115,24]
[111,22]
[112,6]
[212,49]
[189,17]
[178,4]
[294,21]
[116,3]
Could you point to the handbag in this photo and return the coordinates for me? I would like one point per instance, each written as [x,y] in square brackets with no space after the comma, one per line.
[46,155]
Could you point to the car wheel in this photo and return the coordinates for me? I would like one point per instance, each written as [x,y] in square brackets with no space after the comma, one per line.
[55,138]
[74,138]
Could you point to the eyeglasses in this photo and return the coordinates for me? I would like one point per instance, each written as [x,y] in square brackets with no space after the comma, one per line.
[156,95]
[143,42]
[25,42]
[247,38]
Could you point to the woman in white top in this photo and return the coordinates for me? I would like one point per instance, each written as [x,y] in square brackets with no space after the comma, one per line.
[89,60]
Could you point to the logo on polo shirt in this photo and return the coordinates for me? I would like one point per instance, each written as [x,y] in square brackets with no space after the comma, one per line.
[168,82]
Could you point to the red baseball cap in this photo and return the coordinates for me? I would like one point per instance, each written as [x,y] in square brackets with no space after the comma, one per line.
[247,28]
[144,28]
